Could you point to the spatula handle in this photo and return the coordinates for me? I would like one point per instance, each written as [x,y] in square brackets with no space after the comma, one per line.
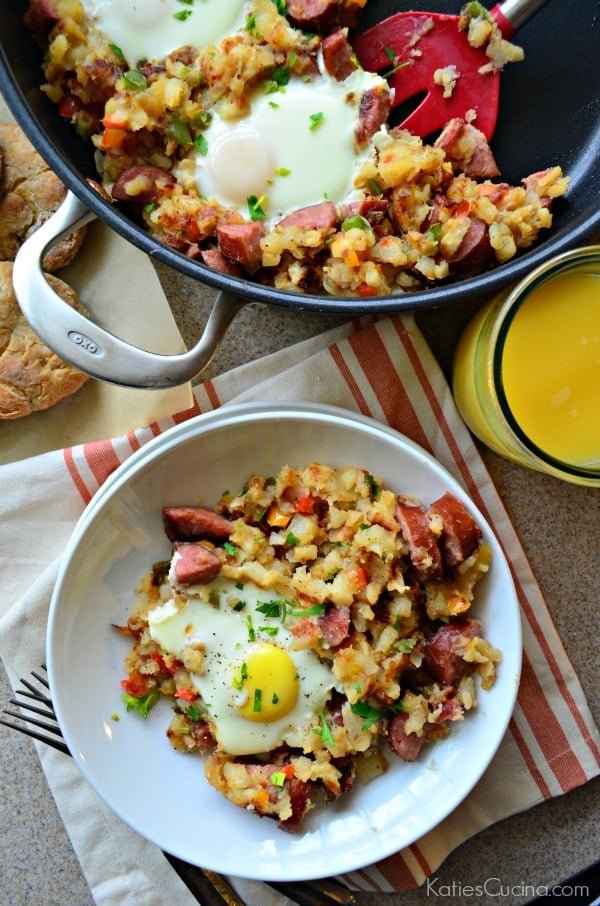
[512,14]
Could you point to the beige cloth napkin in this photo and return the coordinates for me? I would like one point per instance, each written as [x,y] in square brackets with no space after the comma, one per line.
[384,369]
[104,267]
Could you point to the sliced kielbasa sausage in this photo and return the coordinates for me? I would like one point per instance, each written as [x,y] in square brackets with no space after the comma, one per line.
[442,651]
[416,530]
[241,241]
[189,523]
[406,745]
[141,184]
[460,533]
[194,564]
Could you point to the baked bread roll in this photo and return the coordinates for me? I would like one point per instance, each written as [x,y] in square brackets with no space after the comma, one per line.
[32,377]
[30,192]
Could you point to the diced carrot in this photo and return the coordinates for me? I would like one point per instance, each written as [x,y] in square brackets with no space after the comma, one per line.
[366,291]
[110,123]
[305,505]
[113,138]
[351,258]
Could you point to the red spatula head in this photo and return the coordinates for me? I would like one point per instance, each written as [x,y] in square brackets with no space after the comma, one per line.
[418,48]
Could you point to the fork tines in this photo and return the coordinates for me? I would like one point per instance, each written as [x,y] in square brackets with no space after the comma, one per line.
[207,885]
[40,697]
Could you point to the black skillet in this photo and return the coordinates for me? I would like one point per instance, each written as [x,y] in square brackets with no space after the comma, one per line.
[549,114]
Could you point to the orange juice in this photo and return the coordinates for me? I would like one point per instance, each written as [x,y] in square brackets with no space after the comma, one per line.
[551,367]
[526,374]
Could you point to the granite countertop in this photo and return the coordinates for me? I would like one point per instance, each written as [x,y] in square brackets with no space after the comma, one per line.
[558,526]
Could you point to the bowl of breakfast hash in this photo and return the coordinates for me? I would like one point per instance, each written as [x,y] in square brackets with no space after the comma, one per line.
[300,631]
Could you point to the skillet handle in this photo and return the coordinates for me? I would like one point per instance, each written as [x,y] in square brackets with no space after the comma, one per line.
[91,348]
[512,14]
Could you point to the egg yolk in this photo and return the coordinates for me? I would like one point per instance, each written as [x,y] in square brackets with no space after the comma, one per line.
[269,682]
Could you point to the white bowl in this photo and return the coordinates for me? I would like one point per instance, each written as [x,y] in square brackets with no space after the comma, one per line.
[169,802]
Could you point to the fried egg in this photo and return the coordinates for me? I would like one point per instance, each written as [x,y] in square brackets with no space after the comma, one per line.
[151,29]
[296,147]
[258,690]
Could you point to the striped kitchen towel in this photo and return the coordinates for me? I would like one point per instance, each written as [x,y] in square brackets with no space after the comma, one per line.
[378,367]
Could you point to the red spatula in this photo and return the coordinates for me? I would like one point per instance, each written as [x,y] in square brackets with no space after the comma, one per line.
[416,45]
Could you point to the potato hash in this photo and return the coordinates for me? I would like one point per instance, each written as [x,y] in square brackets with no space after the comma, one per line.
[309,630]
[268,153]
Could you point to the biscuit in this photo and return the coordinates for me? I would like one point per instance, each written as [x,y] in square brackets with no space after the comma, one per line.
[30,192]
[32,377]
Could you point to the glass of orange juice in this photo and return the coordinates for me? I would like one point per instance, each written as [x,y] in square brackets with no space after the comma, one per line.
[526,373]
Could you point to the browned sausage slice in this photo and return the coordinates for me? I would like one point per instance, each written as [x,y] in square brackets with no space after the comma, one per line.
[338,55]
[460,533]
[416,530]
[241,241]
[374,109]
[194,564]
[309,14]
[442,652]
[321,216]
[475,250]
[406,745]
[217,260]
[189,523]
[141,184]
[467,148]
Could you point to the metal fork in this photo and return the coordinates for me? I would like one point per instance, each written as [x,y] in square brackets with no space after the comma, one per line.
[210,888]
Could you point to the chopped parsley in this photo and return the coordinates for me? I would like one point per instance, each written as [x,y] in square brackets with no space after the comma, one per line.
[278,80]
[374,486]
[179,130]
[315,120]
[282,607]
[192,712]
[143,704]
[370,714]
[315,610]
[324,731]
[257,703]
[134,80]
[117,52]
[356,222]
[255,207]
[271,609]
[269,630]
[405,645]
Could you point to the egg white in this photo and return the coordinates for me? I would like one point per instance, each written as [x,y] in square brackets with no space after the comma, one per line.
[296,147]
[227,639]
[150,29]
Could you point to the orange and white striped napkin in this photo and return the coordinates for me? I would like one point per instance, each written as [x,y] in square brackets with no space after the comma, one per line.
[382,368]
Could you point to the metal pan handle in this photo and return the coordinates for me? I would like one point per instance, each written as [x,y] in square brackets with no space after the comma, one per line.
[91,348]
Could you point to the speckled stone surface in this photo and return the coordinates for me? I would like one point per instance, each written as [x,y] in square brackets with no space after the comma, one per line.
[558,527]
